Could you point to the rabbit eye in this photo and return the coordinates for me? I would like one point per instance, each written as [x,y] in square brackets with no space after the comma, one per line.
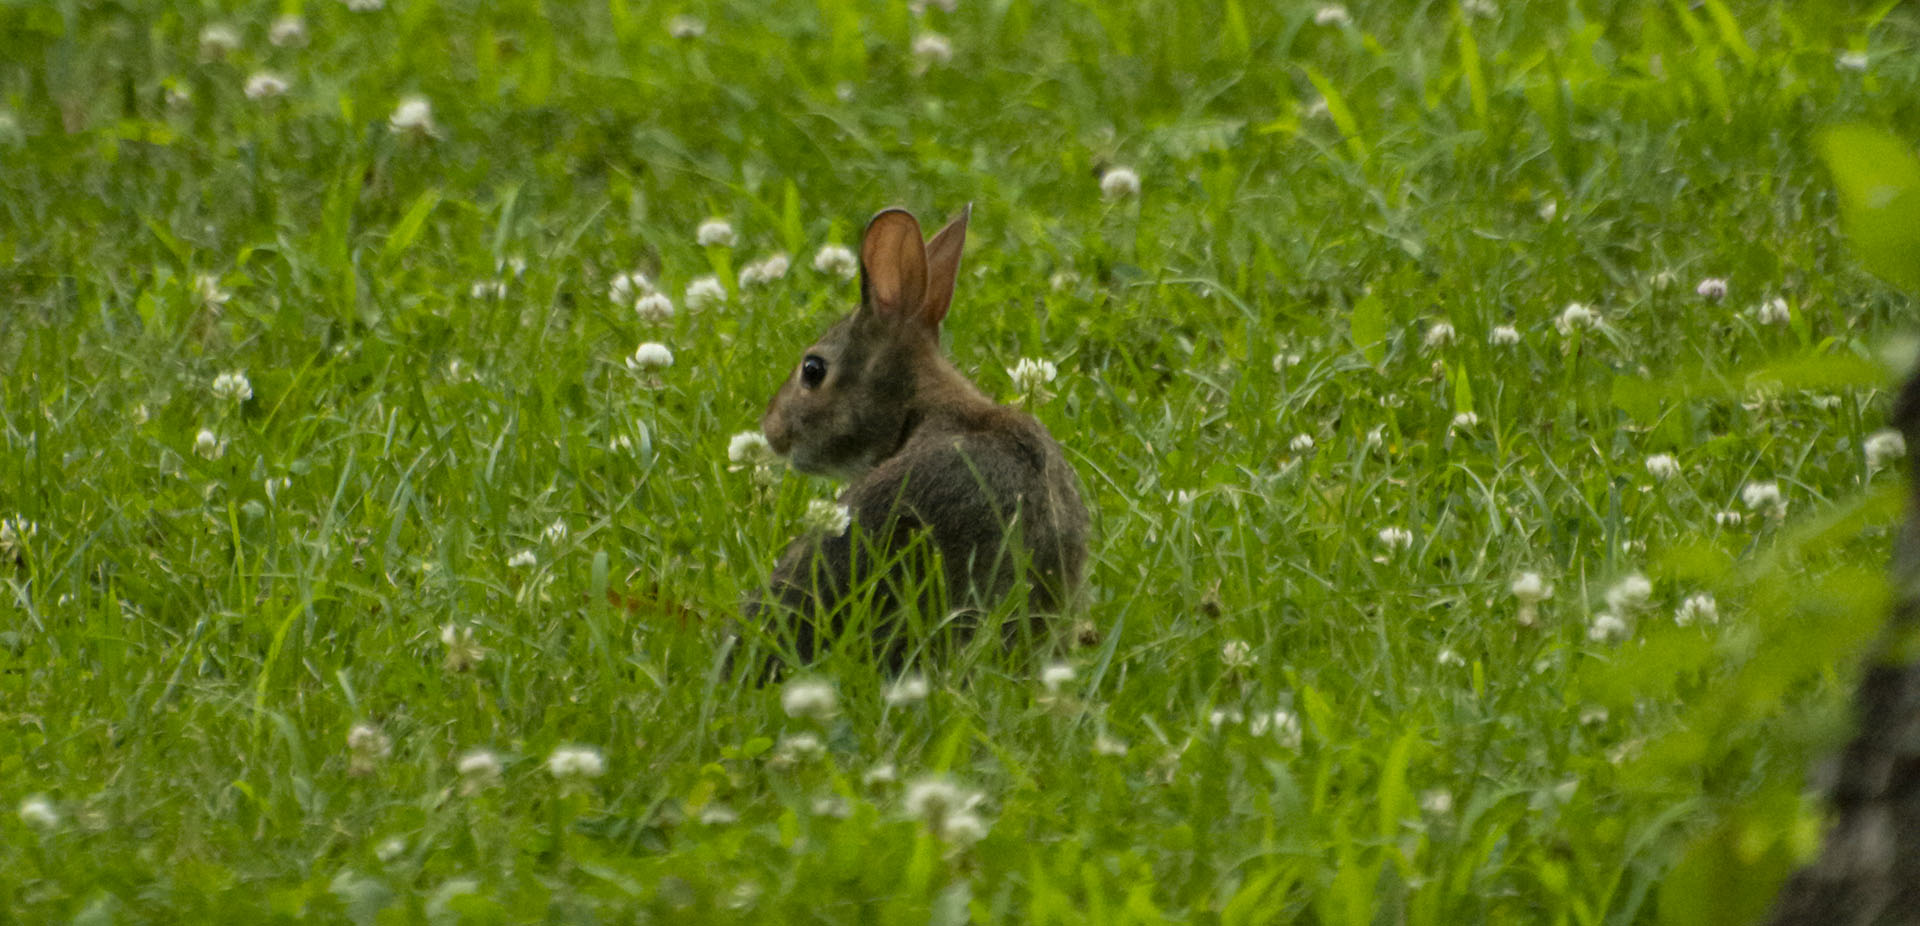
[812,371]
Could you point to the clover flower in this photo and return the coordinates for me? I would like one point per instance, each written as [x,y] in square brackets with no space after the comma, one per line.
[1119,183]
[809,699]
[836,260]
[572,763]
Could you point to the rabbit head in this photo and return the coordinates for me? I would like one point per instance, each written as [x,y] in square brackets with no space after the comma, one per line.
[852,399]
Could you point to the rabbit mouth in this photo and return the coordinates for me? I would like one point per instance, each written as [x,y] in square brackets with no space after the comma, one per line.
[813,461]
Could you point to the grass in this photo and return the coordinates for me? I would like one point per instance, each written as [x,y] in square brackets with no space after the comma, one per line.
[187,638]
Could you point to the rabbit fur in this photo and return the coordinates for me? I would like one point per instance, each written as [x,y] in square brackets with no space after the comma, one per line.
[926,455]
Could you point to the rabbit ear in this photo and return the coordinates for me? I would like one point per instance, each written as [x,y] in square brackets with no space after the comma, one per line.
[943,266]
[893,264]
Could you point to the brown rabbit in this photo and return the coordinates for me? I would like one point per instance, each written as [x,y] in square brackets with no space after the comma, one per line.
[926,454]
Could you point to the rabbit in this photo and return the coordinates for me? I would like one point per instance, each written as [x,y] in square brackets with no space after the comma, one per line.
[924,453]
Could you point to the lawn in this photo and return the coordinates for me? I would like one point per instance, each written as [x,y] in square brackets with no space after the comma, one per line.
[1480,405]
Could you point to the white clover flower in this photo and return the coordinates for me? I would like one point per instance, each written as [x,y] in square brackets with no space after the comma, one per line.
[654,307]
[1590,716]
[1662,467]
[750,448]
[686,27]
[521,560]
[836,260]
[206,287]
[1332,14]
[463,650]
[555,532]
[1712,289]
[796,748]
[963,829]
[413,116]
[488,289]
[1438,801]
[1236,654]
[716,232]
[881,774]
[1119,183]
[264,85]
[1284,723]
[1503,335]
[625,288]
[933,798]
[288,30]
[831,805]
[217,40]
[366,746]
[233,386]
[1439,334]
[39,813]
[650,356]
[570,762]
[365,6]
[1056,675]
[1728,518]
[1447,657]
[828,517]
[1850,61]
[908,689]
[1396,538]
[1883,446]
[1283,360]
[809,699]
[513,265]
[1301,443]
[207,445]
[1030,375]
[1629,594]
[705,291]
[1465,421]
[1224,716]
[718,814]
[1607,626]
[478,768]
[1700,608]
[765,270]
[1773,312]
[1759,495]
[1530,588]
[1575,317]
[932,48]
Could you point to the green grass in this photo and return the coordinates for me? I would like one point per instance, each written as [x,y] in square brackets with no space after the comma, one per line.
[183,651]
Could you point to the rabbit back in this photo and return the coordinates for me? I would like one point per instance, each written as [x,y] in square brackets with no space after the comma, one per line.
[994,495]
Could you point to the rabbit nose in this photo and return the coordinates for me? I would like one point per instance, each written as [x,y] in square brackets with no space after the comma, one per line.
[774,426]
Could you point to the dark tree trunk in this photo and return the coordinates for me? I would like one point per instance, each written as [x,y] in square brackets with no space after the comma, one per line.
[1869,870]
